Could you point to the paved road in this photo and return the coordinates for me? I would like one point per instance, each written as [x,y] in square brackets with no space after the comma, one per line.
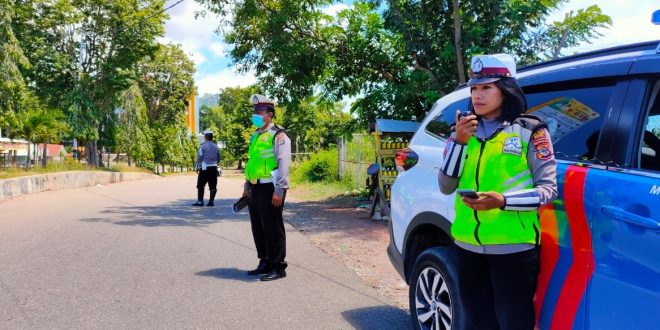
[136,255]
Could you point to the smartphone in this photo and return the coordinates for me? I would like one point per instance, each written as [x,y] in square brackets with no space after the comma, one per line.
[468,193]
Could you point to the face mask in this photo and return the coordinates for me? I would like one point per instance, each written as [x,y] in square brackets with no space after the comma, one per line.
[257,120]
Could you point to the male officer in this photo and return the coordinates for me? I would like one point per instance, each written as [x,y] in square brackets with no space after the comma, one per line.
[208,157]
[267,174]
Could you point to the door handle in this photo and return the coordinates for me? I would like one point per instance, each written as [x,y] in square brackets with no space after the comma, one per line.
[622,215]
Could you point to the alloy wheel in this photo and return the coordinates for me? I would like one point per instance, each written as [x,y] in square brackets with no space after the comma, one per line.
[433,301]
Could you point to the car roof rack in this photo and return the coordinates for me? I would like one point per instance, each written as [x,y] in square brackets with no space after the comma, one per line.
[647,45]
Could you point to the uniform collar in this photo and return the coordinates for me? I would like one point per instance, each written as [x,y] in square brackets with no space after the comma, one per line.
[267,128]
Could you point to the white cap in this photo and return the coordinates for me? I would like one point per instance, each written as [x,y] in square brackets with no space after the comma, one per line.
[486,69]
[258,99]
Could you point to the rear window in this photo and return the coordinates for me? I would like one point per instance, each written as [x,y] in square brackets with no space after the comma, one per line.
[439,126]
[574,117]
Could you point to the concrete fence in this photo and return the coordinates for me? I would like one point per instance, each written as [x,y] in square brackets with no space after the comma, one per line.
[14,187]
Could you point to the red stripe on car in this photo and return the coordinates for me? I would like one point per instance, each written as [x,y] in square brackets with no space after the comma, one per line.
[582,266]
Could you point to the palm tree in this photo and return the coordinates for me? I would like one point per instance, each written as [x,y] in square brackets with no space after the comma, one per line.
[42,126]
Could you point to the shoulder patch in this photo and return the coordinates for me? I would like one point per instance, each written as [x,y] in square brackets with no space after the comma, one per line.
[448,146]
[280,140]
[542,144]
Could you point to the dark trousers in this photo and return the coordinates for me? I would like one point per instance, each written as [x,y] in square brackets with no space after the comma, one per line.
[498,289]
[267,225]
[210,176]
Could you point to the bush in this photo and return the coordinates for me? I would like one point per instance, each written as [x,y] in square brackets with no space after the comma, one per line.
[322,166]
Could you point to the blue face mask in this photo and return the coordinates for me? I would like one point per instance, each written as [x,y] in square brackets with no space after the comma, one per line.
[257,120]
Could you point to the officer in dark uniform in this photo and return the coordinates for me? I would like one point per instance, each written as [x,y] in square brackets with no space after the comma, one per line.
[267,174]
[208,157]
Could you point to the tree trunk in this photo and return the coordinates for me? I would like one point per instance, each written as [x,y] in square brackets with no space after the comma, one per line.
[34,154]
[557,50]
[44,160]
[460,66]
[27,158]
[129,159]
[240,164]
[91,155]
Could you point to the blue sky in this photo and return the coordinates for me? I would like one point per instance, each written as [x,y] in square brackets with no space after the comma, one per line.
[631,23]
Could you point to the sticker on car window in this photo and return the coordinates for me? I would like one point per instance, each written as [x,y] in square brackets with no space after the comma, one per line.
[563,115]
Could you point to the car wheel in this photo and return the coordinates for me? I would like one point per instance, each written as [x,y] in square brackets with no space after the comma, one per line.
[433,293]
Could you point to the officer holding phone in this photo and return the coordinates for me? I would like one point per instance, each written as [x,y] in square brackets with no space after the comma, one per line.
[501,164]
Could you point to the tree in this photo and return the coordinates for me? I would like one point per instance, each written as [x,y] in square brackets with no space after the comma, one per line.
[577,27]
[134,134]
[399,59]
[235,127]
[166,81]
[108,37]
[42,126]
[12,84]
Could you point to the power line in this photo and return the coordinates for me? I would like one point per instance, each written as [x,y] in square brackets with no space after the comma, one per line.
[166,9]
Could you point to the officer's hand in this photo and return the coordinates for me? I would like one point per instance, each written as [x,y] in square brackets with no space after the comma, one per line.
[277,200]
[487,201]
[465,127]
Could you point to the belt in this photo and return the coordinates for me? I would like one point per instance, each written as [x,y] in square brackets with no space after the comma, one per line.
[260,181]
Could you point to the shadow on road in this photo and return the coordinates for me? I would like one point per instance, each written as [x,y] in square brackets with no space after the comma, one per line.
[229,274]
[179,213]
[378,317]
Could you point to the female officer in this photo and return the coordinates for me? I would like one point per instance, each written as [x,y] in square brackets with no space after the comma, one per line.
[507,158]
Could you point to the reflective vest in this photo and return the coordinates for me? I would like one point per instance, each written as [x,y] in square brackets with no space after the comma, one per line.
[498,164]
[261,154]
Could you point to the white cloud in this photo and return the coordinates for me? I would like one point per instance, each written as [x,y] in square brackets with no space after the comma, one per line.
[184,28]
[218,49]
[212,83]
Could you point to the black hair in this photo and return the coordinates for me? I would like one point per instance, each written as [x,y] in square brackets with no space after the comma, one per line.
[514,103]
[208,136]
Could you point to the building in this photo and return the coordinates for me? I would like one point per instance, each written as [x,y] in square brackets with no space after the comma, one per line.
[192,113]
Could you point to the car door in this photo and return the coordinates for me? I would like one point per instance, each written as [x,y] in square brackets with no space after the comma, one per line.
[578,113]
[624,291]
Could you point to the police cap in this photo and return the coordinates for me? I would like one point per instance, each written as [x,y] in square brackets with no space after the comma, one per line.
[486,69]
[260,102]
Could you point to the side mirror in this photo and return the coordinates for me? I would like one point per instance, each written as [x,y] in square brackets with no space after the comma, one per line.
[655,18]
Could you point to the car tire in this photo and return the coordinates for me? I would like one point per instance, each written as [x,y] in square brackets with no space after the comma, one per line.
[433,294]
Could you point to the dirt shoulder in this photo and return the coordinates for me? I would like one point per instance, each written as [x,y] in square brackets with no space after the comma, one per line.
[341,229]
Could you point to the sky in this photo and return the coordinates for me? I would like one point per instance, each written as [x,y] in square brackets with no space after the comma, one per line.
[215,70]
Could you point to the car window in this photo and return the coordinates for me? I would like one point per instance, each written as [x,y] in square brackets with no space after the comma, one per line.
[574,115]
[649,153]
[440,125]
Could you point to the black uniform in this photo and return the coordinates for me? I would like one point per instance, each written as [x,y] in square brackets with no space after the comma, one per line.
[266,219]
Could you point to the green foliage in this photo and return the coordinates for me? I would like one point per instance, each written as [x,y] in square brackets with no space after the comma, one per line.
[398,56]
[166,80]
[321,166]
[134,134]
[576,28]
[12,84]
[108,36]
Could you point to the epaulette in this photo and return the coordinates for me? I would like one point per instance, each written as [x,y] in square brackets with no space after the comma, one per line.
[530,122]
[278,129]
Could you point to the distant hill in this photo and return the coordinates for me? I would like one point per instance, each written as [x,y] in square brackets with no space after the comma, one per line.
[208,99]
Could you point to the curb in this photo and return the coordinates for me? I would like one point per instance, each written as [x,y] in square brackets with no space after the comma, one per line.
[14,187]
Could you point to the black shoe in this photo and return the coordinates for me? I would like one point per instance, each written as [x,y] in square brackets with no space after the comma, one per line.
[198,203]
[274,274]
[263,268]
[210,204]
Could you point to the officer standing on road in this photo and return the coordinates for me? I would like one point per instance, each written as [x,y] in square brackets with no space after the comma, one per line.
[208,157]
[267,180]
[507,158]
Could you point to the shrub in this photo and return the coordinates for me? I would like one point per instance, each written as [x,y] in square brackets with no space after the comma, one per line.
[322,166]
